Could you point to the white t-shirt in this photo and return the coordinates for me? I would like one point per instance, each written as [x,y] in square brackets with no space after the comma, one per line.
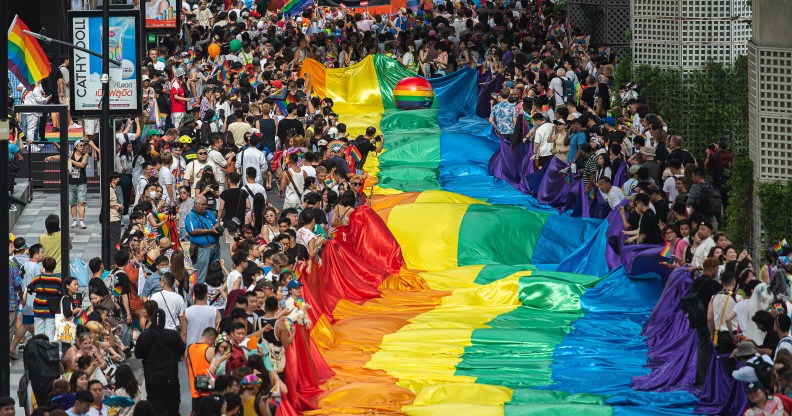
[542,134]
[199,317]
[166,180]
[310,171]
[614,196]
[557,86]
[304,236]
[172,304]
[232,278]
[254,189]
[784,344]
[669,187]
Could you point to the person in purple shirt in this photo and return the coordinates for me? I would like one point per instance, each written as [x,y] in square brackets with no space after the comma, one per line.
[508,56]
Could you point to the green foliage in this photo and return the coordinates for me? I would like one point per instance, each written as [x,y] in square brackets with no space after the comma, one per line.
[738,210]
[702,106]
[775,198]
[560,7]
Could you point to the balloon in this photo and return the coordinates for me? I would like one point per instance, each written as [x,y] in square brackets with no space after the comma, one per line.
[412,93]
[235,45]
[214,50]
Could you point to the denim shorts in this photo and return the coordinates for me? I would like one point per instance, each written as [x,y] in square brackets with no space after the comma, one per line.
[78,194]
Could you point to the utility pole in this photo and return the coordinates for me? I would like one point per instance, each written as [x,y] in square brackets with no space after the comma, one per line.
[105,138]
[5,229]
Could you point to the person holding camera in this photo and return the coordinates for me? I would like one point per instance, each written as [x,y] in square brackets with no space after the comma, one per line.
[204,232]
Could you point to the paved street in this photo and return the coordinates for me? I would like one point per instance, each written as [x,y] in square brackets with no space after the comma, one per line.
[87,245]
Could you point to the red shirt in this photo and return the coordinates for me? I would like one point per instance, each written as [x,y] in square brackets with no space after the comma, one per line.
[177,91]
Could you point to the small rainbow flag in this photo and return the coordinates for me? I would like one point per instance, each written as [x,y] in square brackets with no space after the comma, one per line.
[193,278]
[82,318]
[779,247]
[294,7]
[354,153]
[666,251]
[26,59]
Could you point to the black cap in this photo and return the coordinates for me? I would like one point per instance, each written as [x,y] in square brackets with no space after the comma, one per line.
[754,386]
[706,224]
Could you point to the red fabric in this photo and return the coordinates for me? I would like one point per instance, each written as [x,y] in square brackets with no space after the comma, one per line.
[231,300]
[177,91]
[305,371]
[360,257]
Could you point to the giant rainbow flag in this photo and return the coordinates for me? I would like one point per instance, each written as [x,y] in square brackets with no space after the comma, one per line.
[26,59]
[455,294]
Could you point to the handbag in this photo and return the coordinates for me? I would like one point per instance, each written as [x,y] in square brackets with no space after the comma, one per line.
[65,329]
[202,382]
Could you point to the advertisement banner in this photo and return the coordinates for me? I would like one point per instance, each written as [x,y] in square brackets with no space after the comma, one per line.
[353,4]
[86,69]
[162,14]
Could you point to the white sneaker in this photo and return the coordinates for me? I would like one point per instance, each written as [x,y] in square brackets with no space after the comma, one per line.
[13,208]
[75,126]
[74,224]
[82,225]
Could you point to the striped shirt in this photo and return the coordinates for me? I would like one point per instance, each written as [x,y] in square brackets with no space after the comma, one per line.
[44,285]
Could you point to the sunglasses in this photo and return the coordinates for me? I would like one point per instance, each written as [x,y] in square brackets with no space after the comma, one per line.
[202,153]
[357,183]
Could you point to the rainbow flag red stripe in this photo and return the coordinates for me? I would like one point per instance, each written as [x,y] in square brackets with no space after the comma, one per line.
[26,59]
[666,251]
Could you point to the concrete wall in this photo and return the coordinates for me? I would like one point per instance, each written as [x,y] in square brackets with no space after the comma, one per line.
[771,20]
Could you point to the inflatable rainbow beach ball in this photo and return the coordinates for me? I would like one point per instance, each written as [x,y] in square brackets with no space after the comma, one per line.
[413,93]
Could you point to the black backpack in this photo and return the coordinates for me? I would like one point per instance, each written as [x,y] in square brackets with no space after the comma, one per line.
[762,368]
[709,201]
[694,309]
[569,90]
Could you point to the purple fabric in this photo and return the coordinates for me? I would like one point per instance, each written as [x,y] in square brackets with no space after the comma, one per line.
[721,394]
[505,162]
[484,104]
[600,208]
[614,237]
[621,175]
[554,187]
[643,260]
[577,200]
[672,343]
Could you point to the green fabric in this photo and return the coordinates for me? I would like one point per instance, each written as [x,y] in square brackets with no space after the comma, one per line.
[493,272]
[516,349]
[412,150]
[488,233]
[389,73]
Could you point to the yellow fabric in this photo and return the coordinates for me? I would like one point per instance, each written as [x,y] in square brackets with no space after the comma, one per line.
[425,352]
[428,234]
[445,196]
[463,393]
[455,409]
[452,279]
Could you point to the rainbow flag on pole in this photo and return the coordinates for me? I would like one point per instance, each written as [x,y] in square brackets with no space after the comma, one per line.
[666,251]
[294,7]
[26,59]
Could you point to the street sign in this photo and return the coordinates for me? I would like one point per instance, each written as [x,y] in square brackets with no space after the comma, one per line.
[152,38]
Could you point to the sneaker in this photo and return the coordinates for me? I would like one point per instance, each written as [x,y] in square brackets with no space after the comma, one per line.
[82,225]
[74,126]
[55,129]
[74,224]
[13,208]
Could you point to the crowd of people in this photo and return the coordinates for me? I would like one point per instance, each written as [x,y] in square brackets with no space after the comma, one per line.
[224,128]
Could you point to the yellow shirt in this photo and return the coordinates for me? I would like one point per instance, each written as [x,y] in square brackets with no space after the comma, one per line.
[52,248]
[249,407]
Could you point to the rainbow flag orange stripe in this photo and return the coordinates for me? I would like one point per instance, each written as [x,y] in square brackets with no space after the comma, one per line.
[26,59]
[666,251]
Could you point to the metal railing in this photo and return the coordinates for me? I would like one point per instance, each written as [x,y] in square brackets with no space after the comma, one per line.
[45,176]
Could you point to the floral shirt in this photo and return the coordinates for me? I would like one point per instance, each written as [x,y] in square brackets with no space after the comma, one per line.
[148,98]
[504,113]
[14,282]
[773,407]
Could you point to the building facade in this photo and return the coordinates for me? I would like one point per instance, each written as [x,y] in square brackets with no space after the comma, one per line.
[685,34]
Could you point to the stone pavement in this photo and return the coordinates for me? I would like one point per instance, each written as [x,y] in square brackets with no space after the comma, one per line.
[87,245]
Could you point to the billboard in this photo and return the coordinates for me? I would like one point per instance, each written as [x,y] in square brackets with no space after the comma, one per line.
[162,14]
[86,70]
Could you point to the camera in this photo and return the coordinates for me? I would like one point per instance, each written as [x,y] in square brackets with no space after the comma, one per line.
[219,228]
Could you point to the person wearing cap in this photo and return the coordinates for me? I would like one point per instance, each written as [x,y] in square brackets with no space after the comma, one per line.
[762,403]
[650,163]
[178,100]
[295,306]
[753,360]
